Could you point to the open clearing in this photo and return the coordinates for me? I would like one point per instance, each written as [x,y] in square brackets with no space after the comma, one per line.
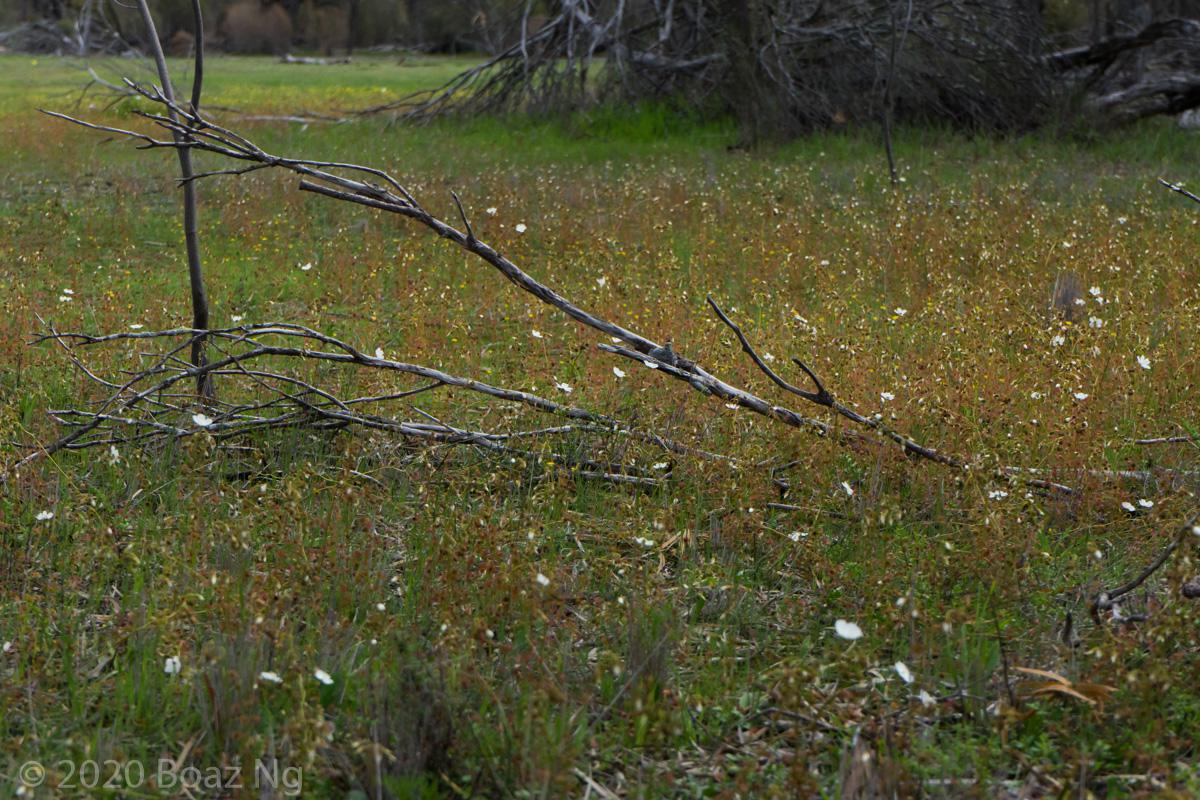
[494,627]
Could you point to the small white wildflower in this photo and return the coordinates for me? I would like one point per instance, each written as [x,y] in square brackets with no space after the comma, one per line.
[520,227]
[1095,322]
[903,671]
[1143,362]
[997,494]
[732,406]
[1081,395]
[306,266]
[172,665]
[1079,301]
[926,698]
[794,536]
[6,647]
[650,364]
[886,396]
[68,291]
[381,607]
[643,541]
[620,373]
[270,677]
[659,465]
[62,298]
[899,312]
[564,387]
[1058,340]
[43,516]
[137,326]
[1098,555]
[323,676]
[1144,503]
[768,357]
[202,420]
[535,333]
[379,352]
[1122,220]
[1094,291]
[236,318]
[601,281]
[1035,395]
[114,455]
[491,212]
[848,489]
[542,580]
[1128,506]
[847,630]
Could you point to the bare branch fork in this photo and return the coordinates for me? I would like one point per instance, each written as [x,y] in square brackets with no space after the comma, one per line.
[147,407]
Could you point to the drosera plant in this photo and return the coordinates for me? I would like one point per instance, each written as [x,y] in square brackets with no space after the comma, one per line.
[442,539]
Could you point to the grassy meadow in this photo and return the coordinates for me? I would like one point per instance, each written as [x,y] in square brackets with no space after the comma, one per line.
[414,622]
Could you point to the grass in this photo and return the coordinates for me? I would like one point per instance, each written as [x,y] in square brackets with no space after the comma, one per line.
[704,664]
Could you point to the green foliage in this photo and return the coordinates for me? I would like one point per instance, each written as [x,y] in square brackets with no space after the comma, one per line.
[684,641]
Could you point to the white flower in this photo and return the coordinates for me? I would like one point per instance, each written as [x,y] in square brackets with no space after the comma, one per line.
[1079,301]
[564,387]
[601,281]
[1144,503]
[1094,291]
[236,318]
[323,676]
[848,489]
[306,266]
[1095,322]
[62,298]
[1035,395]
[1122,220]
[1143,362]
[491,212]
[137,326]
[847,630]
[659,465]
[202,420]
[926,698]
[899,312]
[796,536]
[643,542]
[542,580]
[270,677]
[1196,530]
[520,227]
[6,647]
[620,373]
[172,665]
[68,291]
[1081,395]
[535,333]
[886,396]
[768,357]
[380,607]
[114,455]
[379,352]
[997,494]
[732,406]
[650,364]
[1128,506]
[903,671]
[43,516]
[1058,339]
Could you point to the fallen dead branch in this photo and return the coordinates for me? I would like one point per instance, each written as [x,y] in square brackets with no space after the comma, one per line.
[374,188]
[149,406]
[1107,599]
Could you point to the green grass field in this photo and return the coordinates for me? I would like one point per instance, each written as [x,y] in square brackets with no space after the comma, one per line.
[683,643]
